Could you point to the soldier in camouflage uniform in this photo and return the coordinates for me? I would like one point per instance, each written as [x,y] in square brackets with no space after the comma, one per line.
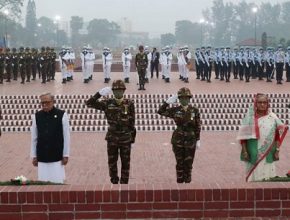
[48,64]
[15,63]
[120,114]
[33,63]
[53,58]
[8,64]
[43,62]
[28,57]
[141,62]
[2,65]
[186,136]
[22,64]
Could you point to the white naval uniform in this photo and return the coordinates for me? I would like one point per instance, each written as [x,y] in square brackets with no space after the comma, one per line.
[126,60]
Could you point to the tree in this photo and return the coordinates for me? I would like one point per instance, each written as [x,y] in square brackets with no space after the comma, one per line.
[187,32]
[14,6]
[30,23]
[264,41]
[76,23]
[102,31]
[286,12]
[167,39]
[46,32]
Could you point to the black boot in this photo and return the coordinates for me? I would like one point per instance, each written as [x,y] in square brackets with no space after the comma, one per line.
[115,180]
[124,180]
[63,81]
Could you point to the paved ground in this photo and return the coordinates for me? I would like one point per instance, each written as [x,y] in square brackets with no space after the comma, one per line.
[217,162]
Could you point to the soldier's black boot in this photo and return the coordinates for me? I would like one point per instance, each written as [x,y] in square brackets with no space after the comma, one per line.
[126,80]
[86,80]
[124,180]
[187,177]
[140,87]
[179,176]
[91,77]
[167,80]
[115,180]
[143,87]
[63,81]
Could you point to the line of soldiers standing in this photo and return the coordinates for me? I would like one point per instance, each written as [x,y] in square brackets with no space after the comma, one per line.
[243,63]
[27,62]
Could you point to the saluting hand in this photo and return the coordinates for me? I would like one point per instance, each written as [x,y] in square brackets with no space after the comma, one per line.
[105,91]
[172,99]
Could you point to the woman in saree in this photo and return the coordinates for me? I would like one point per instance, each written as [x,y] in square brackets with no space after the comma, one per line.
[261,134]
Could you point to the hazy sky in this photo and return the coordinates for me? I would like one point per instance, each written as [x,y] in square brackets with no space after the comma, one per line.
[153,16]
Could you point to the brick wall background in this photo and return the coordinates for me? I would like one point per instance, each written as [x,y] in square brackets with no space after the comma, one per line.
[143,201]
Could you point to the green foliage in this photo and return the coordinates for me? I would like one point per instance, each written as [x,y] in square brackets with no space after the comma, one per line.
[76,23]
[187,32]
[14,6]
[30,23]
[168,39]
[264,41]
[101,31]
[30,182]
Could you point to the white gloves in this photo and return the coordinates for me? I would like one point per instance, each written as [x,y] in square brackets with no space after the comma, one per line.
[172,99]
[198,144]
[105,91]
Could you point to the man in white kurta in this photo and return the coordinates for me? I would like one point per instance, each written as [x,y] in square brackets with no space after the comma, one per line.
[49,161]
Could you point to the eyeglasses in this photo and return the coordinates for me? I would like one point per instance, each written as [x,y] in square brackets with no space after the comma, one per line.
[45,102]
[262,102]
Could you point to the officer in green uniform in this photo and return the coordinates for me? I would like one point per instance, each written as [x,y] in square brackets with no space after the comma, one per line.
[141,62]
[22,64]
[15,63]
[52,63]
[186,137]
[2,65]
[48,64]
[120,114]
[33,63]
[8,64]
[43,62]
[28,58]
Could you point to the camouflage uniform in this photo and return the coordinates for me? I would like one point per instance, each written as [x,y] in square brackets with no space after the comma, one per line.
[15,63]
[28,57]
[43,62]
[33,63]
[2,65]
[48,64]
[141,62]
[22,64]
[185,136]
[121,132]
[8,64]
[52,63]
